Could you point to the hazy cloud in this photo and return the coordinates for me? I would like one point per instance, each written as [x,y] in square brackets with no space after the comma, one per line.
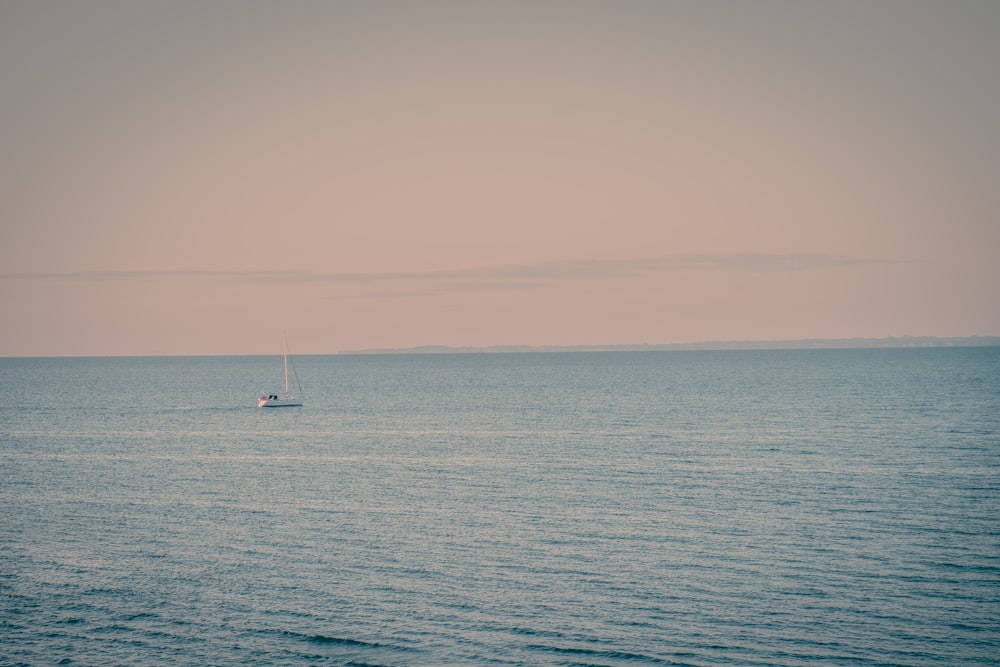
[511,276]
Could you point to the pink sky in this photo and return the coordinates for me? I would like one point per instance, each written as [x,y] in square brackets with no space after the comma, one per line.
[199,178]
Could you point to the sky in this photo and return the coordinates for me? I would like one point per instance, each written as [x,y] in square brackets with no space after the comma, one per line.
[192,177]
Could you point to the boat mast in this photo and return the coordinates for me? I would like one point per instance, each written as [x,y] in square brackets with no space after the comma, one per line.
[286,366]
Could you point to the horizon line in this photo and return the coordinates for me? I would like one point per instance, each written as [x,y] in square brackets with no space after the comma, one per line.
[886,342]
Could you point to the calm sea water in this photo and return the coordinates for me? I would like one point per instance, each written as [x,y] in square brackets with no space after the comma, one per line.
[837,507]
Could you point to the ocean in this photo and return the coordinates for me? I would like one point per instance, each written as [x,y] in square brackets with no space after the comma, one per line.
[797,507]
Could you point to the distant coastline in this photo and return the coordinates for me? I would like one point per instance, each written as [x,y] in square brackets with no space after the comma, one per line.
[804,344]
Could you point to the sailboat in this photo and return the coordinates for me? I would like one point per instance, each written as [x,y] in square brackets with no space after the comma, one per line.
[284,401]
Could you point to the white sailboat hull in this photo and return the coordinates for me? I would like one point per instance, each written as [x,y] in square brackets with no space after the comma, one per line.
[276,402]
